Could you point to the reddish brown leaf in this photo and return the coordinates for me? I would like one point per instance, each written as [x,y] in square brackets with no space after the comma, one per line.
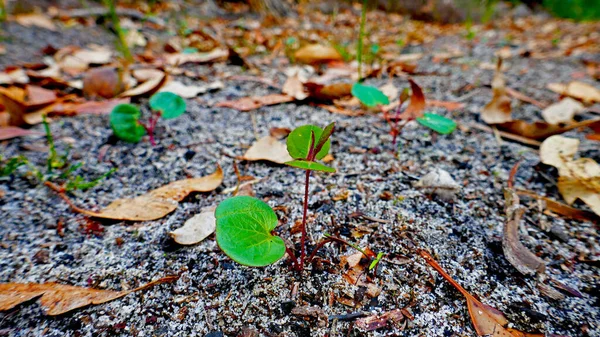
[417,102]
[104,82]
[13,132]
[540,130]
[328,92]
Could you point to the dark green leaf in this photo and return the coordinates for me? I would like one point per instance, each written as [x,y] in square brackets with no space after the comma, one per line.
[310,165]
[299,142]
[244,226]
[124,122]
[169,104]
[437,123]
[369,96]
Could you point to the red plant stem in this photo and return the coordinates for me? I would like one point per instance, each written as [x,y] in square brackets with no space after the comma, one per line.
[292,257]
[303,239]
[319,246]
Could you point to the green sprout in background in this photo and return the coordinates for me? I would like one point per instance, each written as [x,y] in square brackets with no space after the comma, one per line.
[125,118]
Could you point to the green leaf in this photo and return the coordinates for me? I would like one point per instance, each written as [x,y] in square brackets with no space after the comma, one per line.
[169,104]
[124,122]
[310,165]
[299,142]
[244,226]
[437,123]
[369,96]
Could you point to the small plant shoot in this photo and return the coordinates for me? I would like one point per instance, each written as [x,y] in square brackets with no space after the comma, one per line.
[244,226]
[369,96]
[125,118]
[302,146]
[437,123]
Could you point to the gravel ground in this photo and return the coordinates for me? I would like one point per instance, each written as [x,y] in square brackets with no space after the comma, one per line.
[215,296]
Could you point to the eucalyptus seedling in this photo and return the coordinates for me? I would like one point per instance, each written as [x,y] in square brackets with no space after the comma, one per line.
[125,118]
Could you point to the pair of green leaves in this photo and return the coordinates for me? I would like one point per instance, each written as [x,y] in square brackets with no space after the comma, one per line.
[245,224]
[309,143]
[124,118]
[372,97]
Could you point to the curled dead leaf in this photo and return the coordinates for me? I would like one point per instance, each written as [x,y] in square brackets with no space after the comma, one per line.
[58,299]
[190,91]
[294,87]
[540,130]
[499,109]
[152,79]
[578,179]
[154,204]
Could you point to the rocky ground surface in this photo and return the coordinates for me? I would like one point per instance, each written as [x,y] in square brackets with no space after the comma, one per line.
[215,296]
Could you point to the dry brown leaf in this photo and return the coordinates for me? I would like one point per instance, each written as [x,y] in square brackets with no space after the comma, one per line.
[268,148]
[294,87]
[212,56]
[154,79]
[154,204]
[100,108]
[316,54]
[499,109]
[487,320]
[375,322]
[578,179]
[578,90]
[562,209]
[103,82]
[540,130]
[195,229]
[328,92]
[58,299]
[190,91]
[37,20]
[252,103]
[26,106]
[448,105]
[417,103]
[13,132]
[563,111]
[516,253]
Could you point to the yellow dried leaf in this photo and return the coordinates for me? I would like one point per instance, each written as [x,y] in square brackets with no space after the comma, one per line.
[499,109]
[317,53]
[268,148]
[579,90]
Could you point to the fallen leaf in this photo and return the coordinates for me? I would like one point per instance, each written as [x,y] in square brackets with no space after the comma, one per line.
[252,103]
[578,179]
[58,299]
[195,229]
[375,322]
[450,106]
[13,132]
[190,91]
[578,90]
[316,54]
[563,111]
[183,58]
[294,87]
[134,38]
[37,20]
[515,252]
[154,78]
[440,183]
[487,320]
[499,109]
[416,106]
[26,106]
[16,76]
[154,204]
[540,130]
[562,209]
[268,148]
[328,92]
[100,108]
[103,82]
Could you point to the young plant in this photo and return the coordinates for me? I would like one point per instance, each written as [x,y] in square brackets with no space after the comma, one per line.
[121,41]
[3,14]
[124,118]
[245,224]
[57,170]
